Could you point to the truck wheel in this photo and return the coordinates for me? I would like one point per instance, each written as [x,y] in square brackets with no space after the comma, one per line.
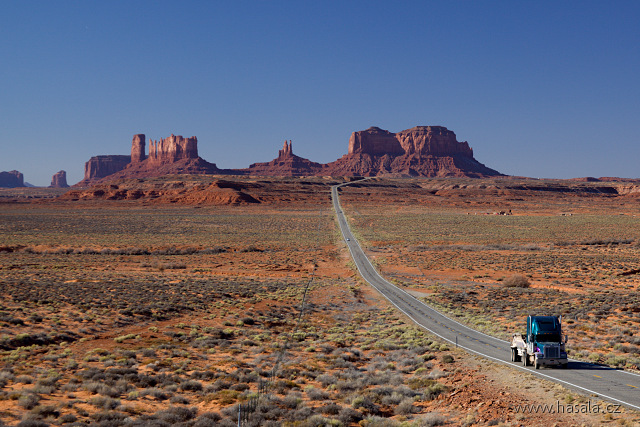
[524,358]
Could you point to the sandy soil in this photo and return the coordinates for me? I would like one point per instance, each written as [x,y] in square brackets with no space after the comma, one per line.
[177,313]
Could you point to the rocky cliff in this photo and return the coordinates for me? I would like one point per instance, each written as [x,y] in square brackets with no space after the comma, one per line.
[428,151]
[172,149]
[172,155]
[59,180]
[286,164]
[167,156]
[11,179]
[99,167]
[138,148]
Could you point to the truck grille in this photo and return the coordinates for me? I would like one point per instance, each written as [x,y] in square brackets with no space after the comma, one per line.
[551,352]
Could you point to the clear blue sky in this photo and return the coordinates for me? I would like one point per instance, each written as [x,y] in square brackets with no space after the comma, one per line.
[540,89]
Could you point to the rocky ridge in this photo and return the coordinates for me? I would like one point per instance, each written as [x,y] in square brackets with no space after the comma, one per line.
[428,151]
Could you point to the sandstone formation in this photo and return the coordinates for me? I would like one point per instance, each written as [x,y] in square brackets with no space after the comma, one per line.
[11,179]
[172,155]
[167,156]
[172,149]
[102,166]
[59,180]
[286,164]
[138,148]
[429,151]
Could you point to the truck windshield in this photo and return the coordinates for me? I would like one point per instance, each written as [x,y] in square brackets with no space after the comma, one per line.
[548,337]
[546,325]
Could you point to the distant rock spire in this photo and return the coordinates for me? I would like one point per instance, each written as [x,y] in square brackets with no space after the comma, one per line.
[287,149]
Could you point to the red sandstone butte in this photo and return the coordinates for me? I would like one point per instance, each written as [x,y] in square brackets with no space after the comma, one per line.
[59,180]
[11,179]
[429,151]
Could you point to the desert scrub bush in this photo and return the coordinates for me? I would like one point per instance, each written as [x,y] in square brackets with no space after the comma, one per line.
[365,404]
[41,411]
[68,418]
[156,393]
[516,281]
[122,338]
[429,420]
[178,399]
[617,361]
[103,402]
[191,385]
[292,400]
[25,379]
[316,394]
[419,383]
[433,391]
[405,407]
[28,400]
[447,358]
[177,414]
[377,421]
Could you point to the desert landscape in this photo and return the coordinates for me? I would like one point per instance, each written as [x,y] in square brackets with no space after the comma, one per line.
[315,214]
[179,300]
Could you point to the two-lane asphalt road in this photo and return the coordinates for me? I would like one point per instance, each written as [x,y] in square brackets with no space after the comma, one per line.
[612,385]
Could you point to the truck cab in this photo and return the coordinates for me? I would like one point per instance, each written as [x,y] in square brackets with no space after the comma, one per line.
[543,344]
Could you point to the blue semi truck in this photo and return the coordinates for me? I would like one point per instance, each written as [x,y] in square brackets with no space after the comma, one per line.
[543,344]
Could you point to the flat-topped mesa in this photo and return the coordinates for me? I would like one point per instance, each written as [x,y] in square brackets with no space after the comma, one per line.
[102,166]
[420,140]
[376,142]
[11,179]
[433,141]
[430,151]
[172,149]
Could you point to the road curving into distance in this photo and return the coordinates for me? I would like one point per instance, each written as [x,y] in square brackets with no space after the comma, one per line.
[616,386]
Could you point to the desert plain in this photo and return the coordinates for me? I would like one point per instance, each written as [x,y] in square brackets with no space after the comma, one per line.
[181,300]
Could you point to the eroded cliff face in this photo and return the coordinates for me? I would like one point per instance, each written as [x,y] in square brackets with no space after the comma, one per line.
[430,151]
[11,179]
[172,155]
[422,140]
[138,147]
[102,166]
[432,141]
[59,180]
[172,149]
[376,142]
